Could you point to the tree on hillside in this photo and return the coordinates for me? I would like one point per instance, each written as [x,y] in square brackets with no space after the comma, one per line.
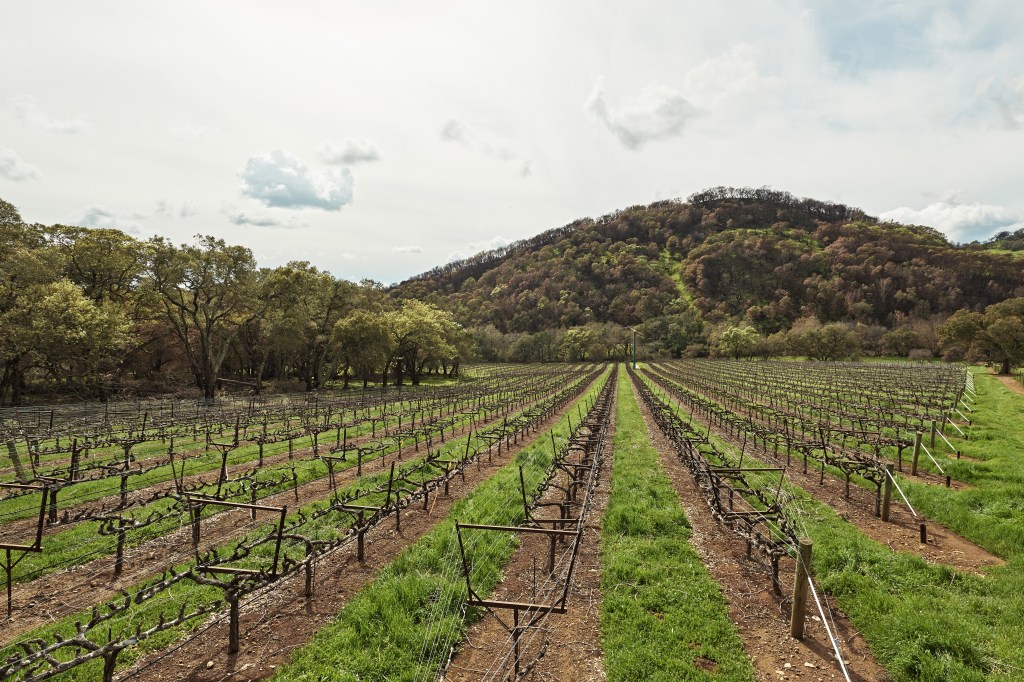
[899,341]
[998,333]
[208,291]
[421,334]
[738,342]
[833,341]
[27,264]
[9,214]
[107,264]
[363,341]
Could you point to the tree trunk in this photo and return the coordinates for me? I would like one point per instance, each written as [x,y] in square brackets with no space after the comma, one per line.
[209,380]
[17,387]
[1005,369]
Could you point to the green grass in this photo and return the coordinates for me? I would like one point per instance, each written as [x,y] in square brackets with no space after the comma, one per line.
[927,621]
[992,512]
[661,609]
[325,528]
[419,597]
[80,542]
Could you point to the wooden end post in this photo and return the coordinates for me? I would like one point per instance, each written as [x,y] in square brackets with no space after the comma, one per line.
[803,565]
[917,452]
[887,492]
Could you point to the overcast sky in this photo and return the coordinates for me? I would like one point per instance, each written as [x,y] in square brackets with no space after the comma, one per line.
[380,139]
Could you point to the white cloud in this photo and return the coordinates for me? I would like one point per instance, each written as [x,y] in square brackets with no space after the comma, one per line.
[961,222]
[97,215]
[191,131]
[14,168]
[455,130]
[472,248]
[658,113]
[25,108]
[348,152]
[168,209]
[407,249]
[263,220]
[493,243]
[1007,99]
[281,180]
[722,78]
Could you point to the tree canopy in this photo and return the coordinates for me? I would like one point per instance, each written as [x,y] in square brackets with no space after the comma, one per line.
[733,271]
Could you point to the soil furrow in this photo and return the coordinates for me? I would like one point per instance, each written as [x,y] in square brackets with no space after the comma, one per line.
[761,618]
[282,619]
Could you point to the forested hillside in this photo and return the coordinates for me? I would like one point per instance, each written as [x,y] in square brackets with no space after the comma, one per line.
[727,256]
[96,313]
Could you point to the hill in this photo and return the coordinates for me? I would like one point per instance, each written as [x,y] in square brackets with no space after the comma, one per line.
[753,256]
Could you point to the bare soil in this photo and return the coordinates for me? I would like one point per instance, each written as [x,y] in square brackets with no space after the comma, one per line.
[900,533]
[22,528]
[570,643]
[54,596]
[762,618]
[1010,383]
[281,620]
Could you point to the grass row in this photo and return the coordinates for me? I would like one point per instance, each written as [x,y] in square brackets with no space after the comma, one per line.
[81,542]
[325,528]
[923,621]
[209,460]
[663,616]
[992,512]
[402,624]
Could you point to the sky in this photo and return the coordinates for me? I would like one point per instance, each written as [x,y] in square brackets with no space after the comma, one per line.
[381,139]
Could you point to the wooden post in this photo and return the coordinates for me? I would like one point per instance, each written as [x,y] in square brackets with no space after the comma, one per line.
[195,511]
[917,453]
[360,543]
[932,446]
[515,641]
[798,613]
[233,624]
[887,492]
[119,555]
[8,569]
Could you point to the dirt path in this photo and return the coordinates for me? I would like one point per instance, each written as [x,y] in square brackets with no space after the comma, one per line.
[18,530]
[281,620]
[56,595]
[572,641]
[761,618]
[900,533]
[1010,383]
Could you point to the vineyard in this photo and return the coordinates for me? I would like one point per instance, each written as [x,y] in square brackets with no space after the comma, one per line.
[688,519]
